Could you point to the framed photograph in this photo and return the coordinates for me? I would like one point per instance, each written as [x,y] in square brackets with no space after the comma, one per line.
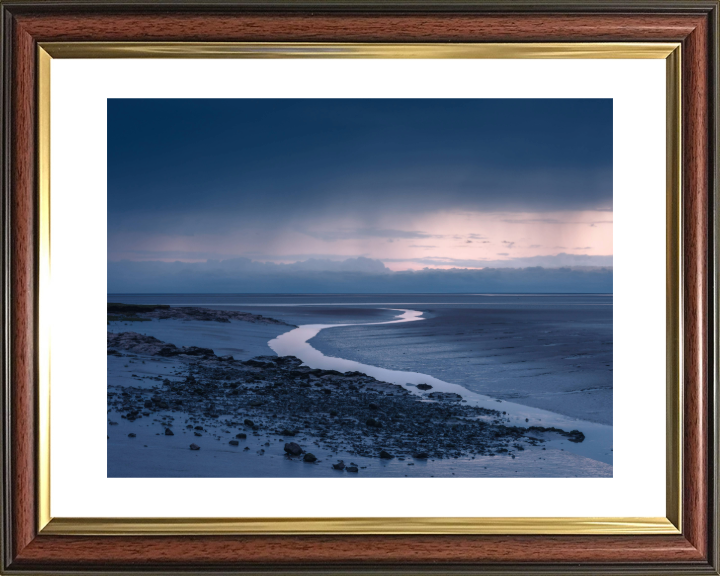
[364,287]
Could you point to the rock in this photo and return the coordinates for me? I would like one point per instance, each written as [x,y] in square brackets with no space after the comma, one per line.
[134,342]
[242,435]
[148,404]
[309,457]
[132,435]
[196,351]
[424,387]
[386,455]
[373,406]
[194,447]
[575,436]
[445,396]
[199,428]
[234,442]
[287,433]
[248,422]
[339,466]
[352,469]
[293,449]
[421,455]
[112,423]
[197,433]
[256,363]
[255,404]
[169,432]
[373,423]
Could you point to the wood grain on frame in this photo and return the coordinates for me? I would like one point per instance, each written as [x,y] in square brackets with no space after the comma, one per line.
[692,24]
[23,294]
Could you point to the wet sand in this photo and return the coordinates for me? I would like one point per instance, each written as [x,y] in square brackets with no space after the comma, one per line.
[549,357]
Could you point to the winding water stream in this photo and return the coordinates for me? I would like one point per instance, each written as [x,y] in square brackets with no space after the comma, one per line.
[598,441]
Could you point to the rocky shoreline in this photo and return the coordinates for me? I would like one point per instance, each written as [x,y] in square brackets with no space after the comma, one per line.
[144,312]
[310,409]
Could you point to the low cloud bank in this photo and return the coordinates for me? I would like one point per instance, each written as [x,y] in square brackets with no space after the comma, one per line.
[354,275]
[556,261]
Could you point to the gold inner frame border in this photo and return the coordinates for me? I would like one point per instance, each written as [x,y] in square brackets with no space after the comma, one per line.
[671,524]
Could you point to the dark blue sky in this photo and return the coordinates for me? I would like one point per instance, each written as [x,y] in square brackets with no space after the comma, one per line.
[222,154]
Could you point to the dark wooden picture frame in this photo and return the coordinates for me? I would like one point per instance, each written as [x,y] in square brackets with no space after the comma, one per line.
[694,24]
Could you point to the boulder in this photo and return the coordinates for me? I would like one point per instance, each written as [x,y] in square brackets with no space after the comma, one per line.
[424,387]
[309,457]
[169,432]
[386,455]
[194,447]
[575,436]
[293,449]
[339,466]
[242,435]
[248,422]
[234,442]
[352,469]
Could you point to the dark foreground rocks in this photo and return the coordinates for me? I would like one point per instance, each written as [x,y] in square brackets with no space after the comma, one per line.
[293,449]
[348,413]
[151,346]
[573,436]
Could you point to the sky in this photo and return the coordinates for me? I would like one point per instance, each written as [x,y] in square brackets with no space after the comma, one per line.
[383,186]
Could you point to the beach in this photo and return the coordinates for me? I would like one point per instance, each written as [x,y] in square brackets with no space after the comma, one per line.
[263,369]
